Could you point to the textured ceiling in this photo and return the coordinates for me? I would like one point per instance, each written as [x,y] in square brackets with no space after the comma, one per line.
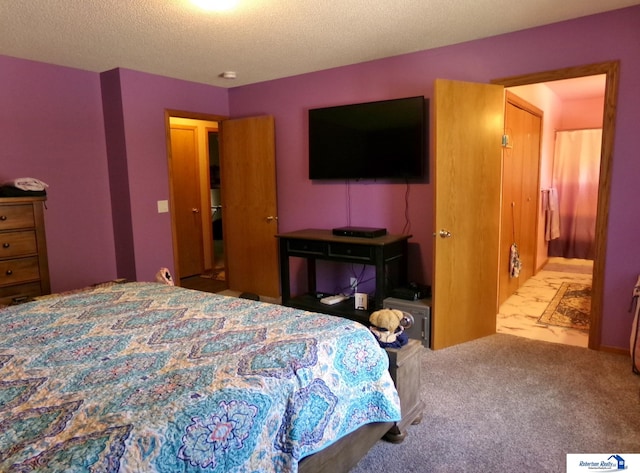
[261,39]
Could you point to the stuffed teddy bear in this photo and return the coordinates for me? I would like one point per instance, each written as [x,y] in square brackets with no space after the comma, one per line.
[386,327]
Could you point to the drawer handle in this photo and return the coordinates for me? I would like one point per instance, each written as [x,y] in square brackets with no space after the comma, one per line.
[6,245]
[3,217]
[9,272]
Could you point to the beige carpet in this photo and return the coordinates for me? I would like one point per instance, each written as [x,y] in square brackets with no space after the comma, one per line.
[570,307]
[506,403]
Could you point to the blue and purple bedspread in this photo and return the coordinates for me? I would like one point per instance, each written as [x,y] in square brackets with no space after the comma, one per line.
[145,377]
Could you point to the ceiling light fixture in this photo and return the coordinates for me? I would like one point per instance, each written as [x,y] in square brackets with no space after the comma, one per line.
[216,5]
[228,75]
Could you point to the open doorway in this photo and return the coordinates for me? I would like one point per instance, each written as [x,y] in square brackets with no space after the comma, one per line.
[550,301]
[195,202]
[607,114]
[248,171]
[215,188]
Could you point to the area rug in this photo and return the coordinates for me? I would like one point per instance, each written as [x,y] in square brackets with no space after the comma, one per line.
[570,307]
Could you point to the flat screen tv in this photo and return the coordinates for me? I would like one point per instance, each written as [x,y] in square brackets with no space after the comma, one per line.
[373,140]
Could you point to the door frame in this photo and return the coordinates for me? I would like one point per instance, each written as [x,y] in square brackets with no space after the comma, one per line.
[168,114]
[611,70]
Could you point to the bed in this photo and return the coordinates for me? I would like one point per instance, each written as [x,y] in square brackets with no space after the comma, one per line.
[147,377]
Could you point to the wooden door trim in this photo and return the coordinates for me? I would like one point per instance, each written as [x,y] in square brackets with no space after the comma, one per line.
[612,70]
[168,114]
[519,102]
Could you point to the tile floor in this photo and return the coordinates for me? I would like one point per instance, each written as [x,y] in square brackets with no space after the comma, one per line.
[520,313]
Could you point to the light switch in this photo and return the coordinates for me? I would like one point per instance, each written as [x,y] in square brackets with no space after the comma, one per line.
[163,206]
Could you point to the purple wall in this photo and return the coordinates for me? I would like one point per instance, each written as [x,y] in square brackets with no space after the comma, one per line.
[599,38]
[52,129]
[144,99]
[118,174]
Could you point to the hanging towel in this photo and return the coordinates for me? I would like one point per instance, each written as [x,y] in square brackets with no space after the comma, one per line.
[515,265]
[552,215]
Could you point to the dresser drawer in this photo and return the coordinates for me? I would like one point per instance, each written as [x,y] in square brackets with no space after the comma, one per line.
[19,270]
[306,247]
[19,293]
[13,244]
[349,251]
[16,216]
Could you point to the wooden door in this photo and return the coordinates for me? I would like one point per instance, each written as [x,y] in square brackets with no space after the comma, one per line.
[520,192]
[249,203]
[530,195]
[468,128]
[186,201]
[511,195]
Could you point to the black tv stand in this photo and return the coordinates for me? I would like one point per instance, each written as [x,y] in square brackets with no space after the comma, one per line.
[312,244]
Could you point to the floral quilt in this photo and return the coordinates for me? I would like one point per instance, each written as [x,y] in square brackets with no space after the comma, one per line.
[146,377]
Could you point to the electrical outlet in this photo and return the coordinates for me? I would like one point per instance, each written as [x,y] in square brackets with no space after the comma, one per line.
[353,283]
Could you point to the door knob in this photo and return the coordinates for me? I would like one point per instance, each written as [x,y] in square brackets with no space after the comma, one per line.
[271,218]
[195,211]
[445,234]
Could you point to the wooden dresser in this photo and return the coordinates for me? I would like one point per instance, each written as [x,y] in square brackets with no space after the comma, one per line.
[24,268]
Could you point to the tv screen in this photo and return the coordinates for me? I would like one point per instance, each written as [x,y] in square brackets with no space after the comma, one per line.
[373,140]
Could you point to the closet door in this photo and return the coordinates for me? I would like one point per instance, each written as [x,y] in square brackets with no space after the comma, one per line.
[185,179]
[511,196]
[530,194]
[520,192]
